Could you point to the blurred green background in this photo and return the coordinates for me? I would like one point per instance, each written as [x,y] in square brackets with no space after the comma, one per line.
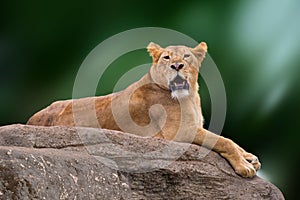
[255,44]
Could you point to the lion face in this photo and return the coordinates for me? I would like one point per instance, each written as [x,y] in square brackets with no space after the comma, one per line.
[176,67]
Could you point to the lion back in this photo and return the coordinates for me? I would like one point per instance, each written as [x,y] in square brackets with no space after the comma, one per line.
[50,115]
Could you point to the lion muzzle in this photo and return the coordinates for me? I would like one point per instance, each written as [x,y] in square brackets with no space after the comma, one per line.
[178,83]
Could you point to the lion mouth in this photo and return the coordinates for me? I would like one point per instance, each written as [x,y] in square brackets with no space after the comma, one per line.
[178,83]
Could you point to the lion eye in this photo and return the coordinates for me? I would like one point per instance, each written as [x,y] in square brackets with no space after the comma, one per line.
[186,55]
[166,57]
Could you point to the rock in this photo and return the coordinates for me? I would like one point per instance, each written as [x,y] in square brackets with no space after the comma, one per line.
[85,163]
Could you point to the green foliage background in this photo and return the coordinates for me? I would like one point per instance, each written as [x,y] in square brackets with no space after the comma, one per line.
[255,44]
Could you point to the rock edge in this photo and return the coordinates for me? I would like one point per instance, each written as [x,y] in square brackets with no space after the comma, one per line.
[86,163]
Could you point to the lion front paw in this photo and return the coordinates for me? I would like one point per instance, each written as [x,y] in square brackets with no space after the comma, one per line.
[252,159]
[245,169]
[245,164]
[248,166]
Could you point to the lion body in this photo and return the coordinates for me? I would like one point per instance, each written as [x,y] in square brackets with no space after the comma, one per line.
[149,108]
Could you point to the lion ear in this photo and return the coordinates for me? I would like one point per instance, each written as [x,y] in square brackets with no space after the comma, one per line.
[200,50]
[155,51]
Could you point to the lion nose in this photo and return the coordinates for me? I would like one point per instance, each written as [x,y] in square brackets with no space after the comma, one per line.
[177,66]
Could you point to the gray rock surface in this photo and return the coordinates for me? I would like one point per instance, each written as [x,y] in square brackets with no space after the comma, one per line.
[84,163]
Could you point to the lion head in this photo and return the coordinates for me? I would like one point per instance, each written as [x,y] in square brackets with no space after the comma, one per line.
[176,68]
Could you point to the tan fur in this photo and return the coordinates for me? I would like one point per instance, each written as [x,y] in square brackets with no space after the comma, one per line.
[147,108]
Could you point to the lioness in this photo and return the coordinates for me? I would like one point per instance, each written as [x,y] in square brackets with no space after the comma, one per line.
[164,103]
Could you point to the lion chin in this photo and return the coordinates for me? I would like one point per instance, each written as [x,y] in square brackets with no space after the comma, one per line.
[179,94]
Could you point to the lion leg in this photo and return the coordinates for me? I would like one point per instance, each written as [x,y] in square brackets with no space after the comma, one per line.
[244,164]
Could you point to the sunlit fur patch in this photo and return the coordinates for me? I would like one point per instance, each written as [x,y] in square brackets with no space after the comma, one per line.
[178,94]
